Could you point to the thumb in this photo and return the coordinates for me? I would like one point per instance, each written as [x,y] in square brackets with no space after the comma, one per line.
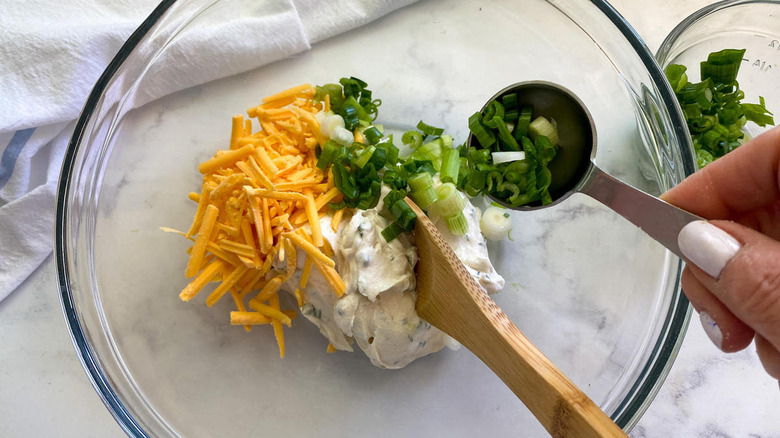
[741,267]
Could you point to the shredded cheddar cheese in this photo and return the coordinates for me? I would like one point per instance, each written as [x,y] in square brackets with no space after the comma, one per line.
[256,197]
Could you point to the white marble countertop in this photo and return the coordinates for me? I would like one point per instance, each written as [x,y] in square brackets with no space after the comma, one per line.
[44,391]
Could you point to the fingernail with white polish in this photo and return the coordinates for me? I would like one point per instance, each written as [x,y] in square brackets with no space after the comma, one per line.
[707,246]
[711,329]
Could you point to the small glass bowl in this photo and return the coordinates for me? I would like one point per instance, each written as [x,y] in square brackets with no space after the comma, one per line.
[733,24]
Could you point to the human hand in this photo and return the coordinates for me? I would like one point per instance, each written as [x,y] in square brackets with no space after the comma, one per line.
[732,274]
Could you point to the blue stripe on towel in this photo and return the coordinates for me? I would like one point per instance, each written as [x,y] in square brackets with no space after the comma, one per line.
[11,153]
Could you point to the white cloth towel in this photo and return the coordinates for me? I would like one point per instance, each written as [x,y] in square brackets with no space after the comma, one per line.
[51,54]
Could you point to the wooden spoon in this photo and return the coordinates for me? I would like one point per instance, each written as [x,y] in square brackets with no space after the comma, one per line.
[449,298]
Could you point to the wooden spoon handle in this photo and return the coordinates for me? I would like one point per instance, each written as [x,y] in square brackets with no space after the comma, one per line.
[557,403]
[457,305]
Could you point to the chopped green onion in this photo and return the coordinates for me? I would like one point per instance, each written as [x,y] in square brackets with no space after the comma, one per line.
[422,192]
[470,190]
[520,167]
[545,151]
[392,197]
[483,136]
[420,181]
[511,116]
[543,181]
[392,152]
[328,154]
[334,91]
[360,170]
[337,205]
[450,165]
[365,96]
[493,114]
[512,188]
[409,167]
[366,176]
[350,108]
[758,113]
[721,130]
[364,156]
[700,94]
[392,231]
[508,142]
[446,141]
[352,86]
[479,156]
[703,158]
[407,221]
[542,126]
[494,179]
[676,76]
[510,101]
[692,111]
[523,121]
[379,158]
[413,139]
[710,139]
[515,171]
[458,224]
[430,151]
[369,199]
[477,181]
[507,157]
[702,124]
[429,130]
[712,108]
[424,197]
[365,202]
[704,98]
[372,134]
[743,119]
[351,100]
[425,166]
[727,115]
[463,171]
[450,201]
[722,67]
[524,198]
[403,214]
[350,116]
[344,181]
[495,223]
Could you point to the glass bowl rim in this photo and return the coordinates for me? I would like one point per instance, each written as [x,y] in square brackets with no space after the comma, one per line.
[678,30]
[627,414]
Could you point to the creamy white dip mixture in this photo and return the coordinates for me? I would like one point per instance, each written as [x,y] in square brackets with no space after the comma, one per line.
[377,311]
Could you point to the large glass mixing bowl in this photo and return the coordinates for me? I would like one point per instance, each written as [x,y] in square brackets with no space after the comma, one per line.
[596,294]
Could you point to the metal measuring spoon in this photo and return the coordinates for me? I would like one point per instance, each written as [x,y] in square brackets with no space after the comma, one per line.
[573,169]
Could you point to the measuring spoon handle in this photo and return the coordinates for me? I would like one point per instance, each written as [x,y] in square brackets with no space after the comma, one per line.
[659,219]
